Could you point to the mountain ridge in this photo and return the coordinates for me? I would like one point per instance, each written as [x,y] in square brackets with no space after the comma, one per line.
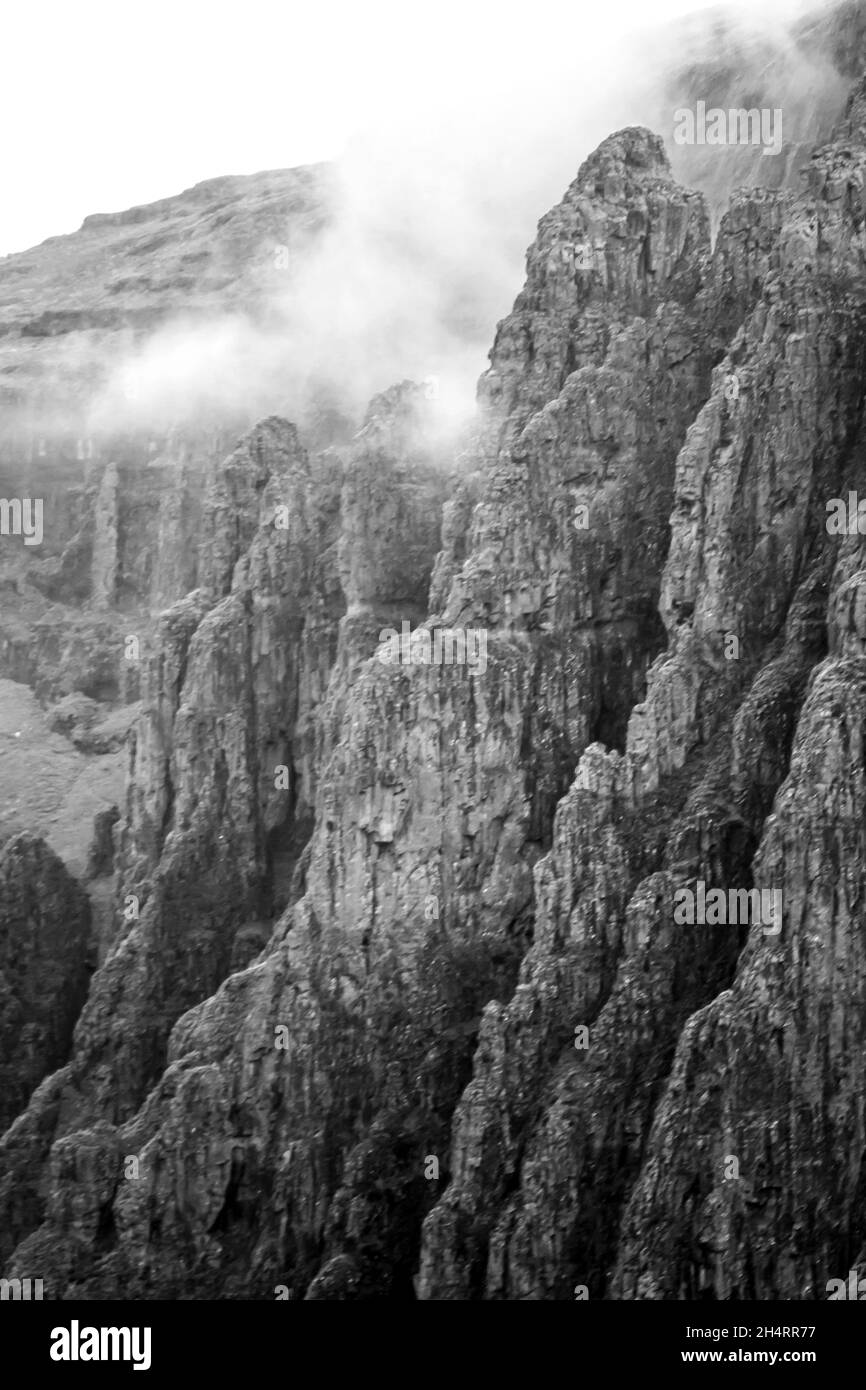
[392,1001]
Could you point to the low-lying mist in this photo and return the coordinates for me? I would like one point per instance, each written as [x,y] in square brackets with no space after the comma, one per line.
[434,209]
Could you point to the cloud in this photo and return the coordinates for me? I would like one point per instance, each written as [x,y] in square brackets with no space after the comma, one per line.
[438,200]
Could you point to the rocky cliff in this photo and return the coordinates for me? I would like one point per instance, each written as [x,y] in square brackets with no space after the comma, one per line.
[394,999]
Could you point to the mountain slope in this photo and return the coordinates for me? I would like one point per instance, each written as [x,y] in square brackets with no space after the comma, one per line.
[396,1000]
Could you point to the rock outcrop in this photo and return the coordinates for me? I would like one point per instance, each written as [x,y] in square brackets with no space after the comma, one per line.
[398,1000]
[45,967]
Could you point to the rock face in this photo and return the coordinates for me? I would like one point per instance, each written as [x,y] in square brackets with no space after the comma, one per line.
[225,754]
[555,1132]
[400,999]
[44,954]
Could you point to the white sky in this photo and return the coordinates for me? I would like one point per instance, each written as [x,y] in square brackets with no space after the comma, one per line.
[104,105]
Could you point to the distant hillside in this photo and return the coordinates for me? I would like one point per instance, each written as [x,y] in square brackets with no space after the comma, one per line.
[71,307]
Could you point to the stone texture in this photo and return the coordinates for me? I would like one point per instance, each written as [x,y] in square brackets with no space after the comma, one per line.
[416,1018]
[44,954]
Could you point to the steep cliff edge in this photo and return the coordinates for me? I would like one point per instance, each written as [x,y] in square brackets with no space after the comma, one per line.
[399,1004]
[554,1128]
[46,958]
[770,1074]
[226,750]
